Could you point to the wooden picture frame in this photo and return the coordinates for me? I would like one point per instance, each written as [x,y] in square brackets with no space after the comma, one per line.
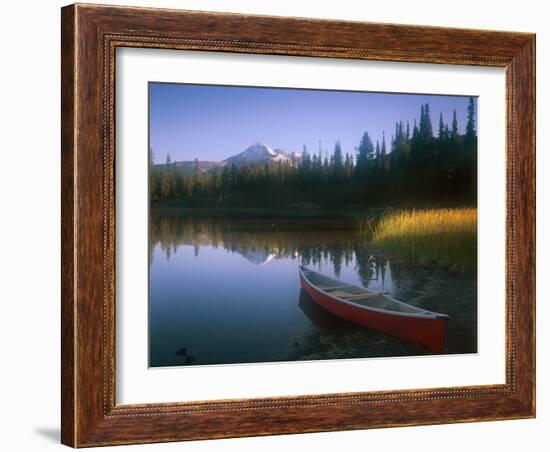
[90,35]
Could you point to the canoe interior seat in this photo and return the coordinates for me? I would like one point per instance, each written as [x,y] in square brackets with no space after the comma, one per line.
[341,294]
[331,288]
[351,295]
[381,302]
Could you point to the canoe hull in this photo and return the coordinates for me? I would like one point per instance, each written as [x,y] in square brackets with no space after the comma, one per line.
[428,333]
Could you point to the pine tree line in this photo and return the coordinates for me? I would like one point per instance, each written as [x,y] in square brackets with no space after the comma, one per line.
[415,167]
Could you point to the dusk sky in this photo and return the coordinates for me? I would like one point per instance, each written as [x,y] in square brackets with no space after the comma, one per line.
[216,122]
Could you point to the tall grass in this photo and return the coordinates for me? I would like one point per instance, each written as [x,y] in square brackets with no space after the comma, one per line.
[441,237]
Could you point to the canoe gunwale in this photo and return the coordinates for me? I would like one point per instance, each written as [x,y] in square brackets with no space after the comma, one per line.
[424,314]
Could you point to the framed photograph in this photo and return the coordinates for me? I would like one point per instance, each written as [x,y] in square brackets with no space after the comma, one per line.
[282,225]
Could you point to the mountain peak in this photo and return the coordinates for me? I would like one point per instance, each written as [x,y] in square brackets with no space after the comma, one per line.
[260,147]
[257,153]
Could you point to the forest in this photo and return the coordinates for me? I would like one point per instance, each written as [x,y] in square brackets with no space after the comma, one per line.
[414,167]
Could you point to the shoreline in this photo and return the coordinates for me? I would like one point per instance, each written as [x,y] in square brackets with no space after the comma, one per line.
[267,213]
[297,211]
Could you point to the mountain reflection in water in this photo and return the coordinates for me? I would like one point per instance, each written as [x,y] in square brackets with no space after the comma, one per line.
[227,291]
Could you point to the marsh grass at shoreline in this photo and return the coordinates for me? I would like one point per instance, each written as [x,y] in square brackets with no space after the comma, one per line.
[441,237]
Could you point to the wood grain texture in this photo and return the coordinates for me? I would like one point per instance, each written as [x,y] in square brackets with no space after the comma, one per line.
[90,36]
[67,224]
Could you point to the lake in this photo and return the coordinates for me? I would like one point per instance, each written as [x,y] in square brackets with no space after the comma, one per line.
[226,291]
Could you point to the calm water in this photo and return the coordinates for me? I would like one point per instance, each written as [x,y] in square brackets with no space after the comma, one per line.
[227,291]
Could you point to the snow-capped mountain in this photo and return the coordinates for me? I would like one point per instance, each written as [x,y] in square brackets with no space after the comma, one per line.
[257,153]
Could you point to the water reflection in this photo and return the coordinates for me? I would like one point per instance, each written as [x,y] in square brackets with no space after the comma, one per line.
[315,242]
[227,291]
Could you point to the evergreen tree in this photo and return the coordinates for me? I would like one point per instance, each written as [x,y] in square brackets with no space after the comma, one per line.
[470,135]
[326,168]
[305,168]
[315,164]
[454,129]
[441,131]
[337,160]
[376,181]
[167,179]
[225,183]
[383,149]
[428,119]
[196,168]
[348,166]
[216,184]
[153,178]
[469,166]
[426,131]
[306,159]
[234,176]
[365,152]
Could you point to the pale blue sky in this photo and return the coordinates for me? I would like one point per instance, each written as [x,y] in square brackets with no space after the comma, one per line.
[214,122]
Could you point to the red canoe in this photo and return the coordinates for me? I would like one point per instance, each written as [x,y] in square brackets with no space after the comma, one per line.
[376,310]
